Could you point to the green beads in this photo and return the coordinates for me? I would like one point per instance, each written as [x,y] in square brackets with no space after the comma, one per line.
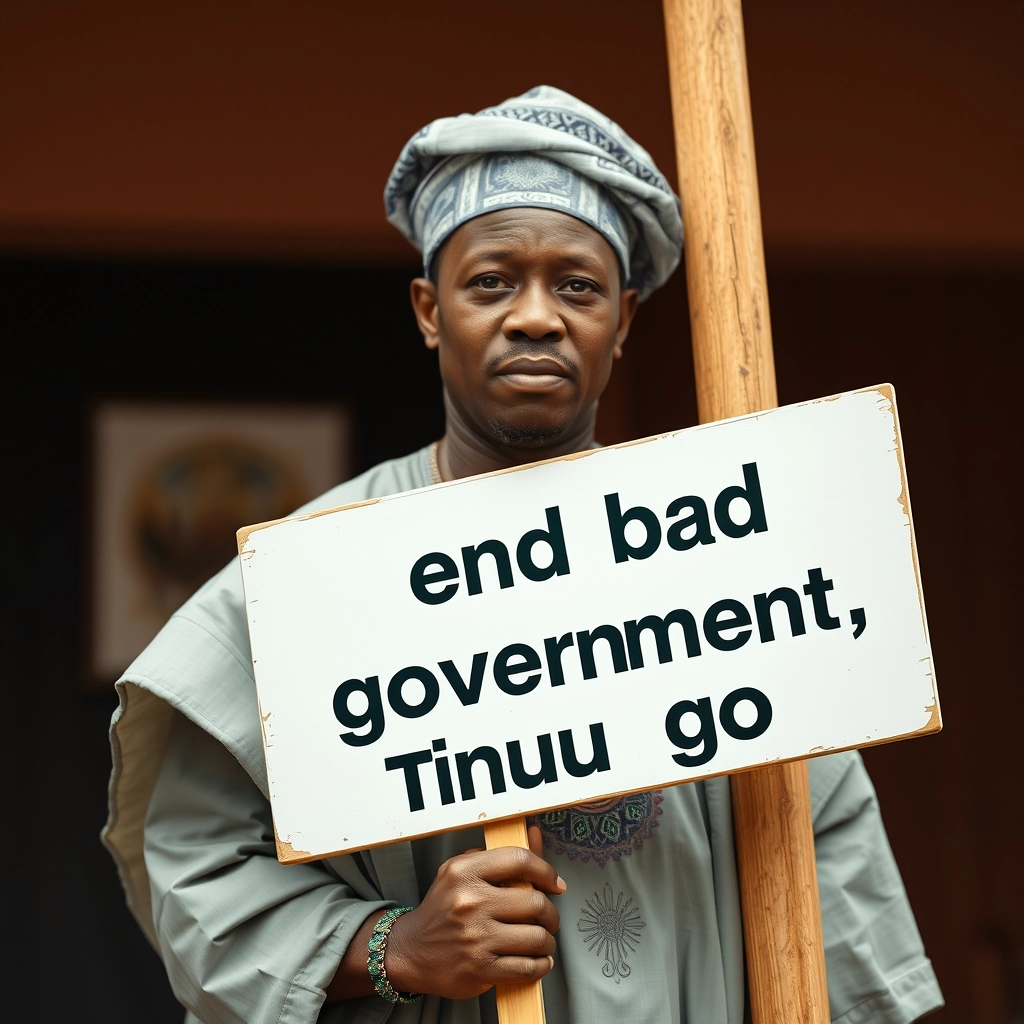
[376,948]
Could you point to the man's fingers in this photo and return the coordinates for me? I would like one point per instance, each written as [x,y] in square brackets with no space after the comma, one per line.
[520,968]
[536,841]
[530,940]
[512,863]
[516,906]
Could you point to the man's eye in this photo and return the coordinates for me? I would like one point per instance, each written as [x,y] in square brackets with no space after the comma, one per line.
[579,285]
[489,281]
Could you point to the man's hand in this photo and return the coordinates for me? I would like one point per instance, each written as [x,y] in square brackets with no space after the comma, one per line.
[471,931]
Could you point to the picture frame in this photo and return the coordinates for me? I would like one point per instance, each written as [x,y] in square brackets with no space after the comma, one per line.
[169,485]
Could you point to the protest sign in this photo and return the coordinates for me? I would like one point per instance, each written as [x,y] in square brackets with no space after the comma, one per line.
[697,603]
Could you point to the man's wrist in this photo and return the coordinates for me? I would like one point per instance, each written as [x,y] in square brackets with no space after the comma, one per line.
[400,959]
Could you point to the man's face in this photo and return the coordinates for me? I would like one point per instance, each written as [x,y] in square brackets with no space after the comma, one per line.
[527,315]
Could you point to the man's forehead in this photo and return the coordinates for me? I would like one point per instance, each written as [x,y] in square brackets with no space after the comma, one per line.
[514,233]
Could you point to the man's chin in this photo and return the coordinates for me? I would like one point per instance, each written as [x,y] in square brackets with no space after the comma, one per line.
[533,435]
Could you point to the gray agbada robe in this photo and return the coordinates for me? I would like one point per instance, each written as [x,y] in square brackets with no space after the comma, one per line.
[246,939]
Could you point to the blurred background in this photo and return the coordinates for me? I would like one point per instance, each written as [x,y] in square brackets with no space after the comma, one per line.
[191,232]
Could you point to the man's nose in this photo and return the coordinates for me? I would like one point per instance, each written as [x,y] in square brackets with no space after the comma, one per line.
[534,314]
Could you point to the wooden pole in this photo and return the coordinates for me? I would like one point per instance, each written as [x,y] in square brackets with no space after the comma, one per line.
[517,1004]
[735,371]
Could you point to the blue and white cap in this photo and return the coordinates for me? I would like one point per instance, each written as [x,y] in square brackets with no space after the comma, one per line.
[543,149]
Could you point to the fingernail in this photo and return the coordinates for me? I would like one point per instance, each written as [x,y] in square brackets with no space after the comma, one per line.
[551,961]
[561,882]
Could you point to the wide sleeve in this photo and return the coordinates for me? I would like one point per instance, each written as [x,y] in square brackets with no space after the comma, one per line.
[245,939]
[877,969]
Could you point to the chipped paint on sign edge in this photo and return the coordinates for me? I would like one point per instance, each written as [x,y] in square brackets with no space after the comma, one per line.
[242,535]
[287,854]
[888,394]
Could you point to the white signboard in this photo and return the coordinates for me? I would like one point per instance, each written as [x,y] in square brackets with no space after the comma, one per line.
[694,604]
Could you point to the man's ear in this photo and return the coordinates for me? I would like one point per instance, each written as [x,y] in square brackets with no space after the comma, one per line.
[628,302]
[423,295]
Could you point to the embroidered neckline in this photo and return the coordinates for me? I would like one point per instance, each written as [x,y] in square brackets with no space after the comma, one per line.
[602,834]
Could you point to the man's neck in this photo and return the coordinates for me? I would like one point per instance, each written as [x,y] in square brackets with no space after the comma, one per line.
[463,452]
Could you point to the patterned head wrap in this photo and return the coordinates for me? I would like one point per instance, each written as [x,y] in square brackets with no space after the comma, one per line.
[543,149]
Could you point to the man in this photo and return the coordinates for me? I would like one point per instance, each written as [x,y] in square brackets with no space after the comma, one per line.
[542,226]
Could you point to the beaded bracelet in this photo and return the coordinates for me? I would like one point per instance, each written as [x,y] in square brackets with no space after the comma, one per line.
[377,946]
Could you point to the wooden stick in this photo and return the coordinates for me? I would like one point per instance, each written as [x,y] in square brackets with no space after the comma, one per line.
[779,892]
[735,371]
[517,1004]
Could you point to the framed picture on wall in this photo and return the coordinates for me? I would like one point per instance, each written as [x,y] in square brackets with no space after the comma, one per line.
[170,485]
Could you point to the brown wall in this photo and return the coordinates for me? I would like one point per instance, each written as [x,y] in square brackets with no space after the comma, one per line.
[270,127]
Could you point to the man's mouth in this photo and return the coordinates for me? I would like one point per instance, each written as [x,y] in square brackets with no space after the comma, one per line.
[533,373]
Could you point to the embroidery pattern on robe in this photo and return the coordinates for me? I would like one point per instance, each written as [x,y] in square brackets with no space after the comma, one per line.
[608,829]
[611,928]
